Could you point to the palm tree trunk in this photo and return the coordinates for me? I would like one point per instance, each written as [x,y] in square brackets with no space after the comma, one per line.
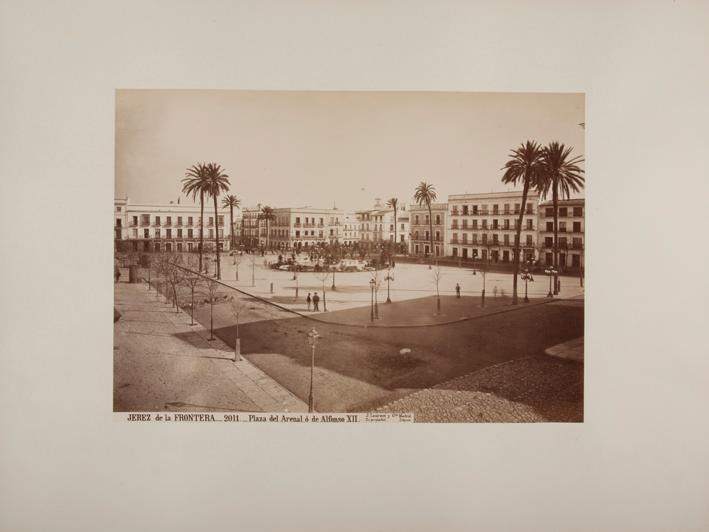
[231,225]
[216,237]
[430,227]
[555,200]
[201,228]
[395,240]
[517,241]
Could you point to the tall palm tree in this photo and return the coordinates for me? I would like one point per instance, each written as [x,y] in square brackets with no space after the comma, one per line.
[192,185]
[425,194]
[231,201]
[393,204]
[562,175]
[267,214]
[216,182]
[525,165]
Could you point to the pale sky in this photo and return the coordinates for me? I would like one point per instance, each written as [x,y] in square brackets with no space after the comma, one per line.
[292,149]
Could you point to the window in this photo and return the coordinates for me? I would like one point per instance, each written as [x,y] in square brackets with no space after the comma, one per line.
[189,220]
[475,224]
[391,227]
[169,220]
[416,220]
[427,235]
[179,220]
[495,239]
[507,240]
[189,246]
[438,219]
[549,212]
[475,238]
[494,224]
[168,246]
[576,243]
[484,224]
[118,222]
[563,211]
[146,233]
[144,219]
[577,227]
[465,224]
[157,233]
[190,233]
[455,237]
[157,220]
[548,242]
[416,235]
[530,208]
[465,238]
[506,224]
[168,233]
[179,246]
[506,208]
[402,227]
[578,211]
[529,224]
[517,208]
[179,233]
[135,233]
[529,240]
[211,233]
[495,209]
[135,220]
[562,227]
[220,220]
[475,209]
[550,227]
[211,220]
[118,209]
[426,220]
[465,210]
[297,220]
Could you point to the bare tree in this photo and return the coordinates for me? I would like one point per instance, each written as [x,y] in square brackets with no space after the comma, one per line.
[437,280]
[237,307]
[174,275]
[192,280]
[323,276]
[377,284]
[212,287]
[252,259]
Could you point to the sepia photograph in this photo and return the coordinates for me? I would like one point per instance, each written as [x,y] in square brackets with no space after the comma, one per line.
[409,256]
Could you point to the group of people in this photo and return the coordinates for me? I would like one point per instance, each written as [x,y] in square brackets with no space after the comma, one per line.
[315,301]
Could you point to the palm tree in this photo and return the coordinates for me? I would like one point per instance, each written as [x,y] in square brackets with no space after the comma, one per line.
[231,201]
[561,174]
[216,182]
[425,194]
[267,214]
[393,203]
[525,165]
[193,184]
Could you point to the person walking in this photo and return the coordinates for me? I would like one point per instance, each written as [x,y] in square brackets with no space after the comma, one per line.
[457,290]
[308,300]
[316,302]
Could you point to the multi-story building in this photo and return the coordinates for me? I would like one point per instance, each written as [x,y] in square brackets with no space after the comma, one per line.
[250,234]
[421,229]
[376,225]
[570,234]
[166,227]
[484,226]
[349,234]
[301,227]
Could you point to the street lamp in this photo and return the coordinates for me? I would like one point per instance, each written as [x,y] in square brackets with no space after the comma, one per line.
[526,276]
[313,340]
[388,278]
[371,285]
[551,272]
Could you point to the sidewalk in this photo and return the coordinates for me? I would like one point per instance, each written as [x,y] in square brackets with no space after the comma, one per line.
[162,363]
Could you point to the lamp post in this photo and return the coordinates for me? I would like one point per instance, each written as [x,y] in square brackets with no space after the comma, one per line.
[388,278]
[551,272]
[313,340]
[371,285]
[526,276]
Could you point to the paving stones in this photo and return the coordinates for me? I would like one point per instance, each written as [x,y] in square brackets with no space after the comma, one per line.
[525,390]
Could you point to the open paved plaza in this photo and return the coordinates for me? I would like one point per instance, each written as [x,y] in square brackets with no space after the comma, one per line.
[363,365]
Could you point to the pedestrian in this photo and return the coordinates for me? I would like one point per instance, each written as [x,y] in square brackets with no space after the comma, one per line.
[308,300]
[457,290]
[316,302]
[116,272]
